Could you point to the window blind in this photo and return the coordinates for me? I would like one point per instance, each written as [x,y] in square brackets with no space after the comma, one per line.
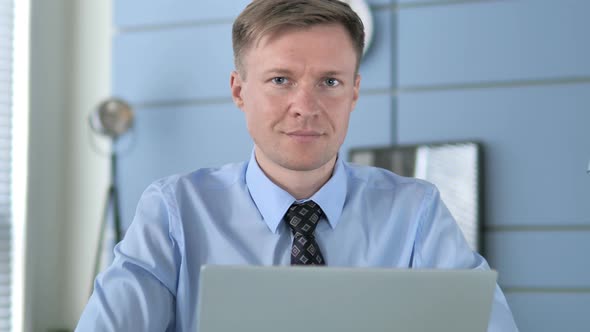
[6,54]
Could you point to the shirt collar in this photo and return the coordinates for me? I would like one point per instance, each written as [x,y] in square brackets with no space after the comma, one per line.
[272,201]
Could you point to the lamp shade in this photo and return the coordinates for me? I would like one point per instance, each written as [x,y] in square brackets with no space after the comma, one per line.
[112,118]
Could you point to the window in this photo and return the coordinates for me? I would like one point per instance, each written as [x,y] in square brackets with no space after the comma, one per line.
[14,39]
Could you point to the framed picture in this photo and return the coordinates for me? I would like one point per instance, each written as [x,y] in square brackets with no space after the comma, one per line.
[455,168]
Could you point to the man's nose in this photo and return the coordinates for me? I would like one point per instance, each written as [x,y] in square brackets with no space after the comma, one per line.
[305,102]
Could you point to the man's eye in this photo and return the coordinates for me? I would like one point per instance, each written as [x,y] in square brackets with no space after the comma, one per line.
[280,80]
[332,82]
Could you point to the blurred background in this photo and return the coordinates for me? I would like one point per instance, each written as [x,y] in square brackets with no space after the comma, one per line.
[511,74]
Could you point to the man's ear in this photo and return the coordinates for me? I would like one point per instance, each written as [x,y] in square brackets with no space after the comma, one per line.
[356,88]
[236,85]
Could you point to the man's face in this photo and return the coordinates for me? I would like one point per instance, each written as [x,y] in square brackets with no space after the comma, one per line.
[299,90]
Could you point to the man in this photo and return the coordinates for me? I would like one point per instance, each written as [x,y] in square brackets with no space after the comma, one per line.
[296,201]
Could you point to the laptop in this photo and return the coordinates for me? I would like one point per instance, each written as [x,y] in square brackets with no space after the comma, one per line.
[302,298]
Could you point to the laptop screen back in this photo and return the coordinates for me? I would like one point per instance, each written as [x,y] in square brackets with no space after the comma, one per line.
[265,299]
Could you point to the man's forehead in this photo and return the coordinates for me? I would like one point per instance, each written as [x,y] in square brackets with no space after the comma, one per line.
[271,35]
[280,59]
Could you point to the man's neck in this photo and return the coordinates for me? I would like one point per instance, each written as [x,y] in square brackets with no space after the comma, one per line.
[300,184]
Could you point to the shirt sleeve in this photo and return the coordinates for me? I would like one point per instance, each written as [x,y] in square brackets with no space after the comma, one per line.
[441,244]
[137,292]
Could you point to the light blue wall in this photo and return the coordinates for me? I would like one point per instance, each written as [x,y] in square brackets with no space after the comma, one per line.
[514,75]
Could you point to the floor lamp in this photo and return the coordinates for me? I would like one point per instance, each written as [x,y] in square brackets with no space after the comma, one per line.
[112,118]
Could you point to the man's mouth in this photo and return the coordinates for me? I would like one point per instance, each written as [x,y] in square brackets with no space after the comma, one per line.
[304,135]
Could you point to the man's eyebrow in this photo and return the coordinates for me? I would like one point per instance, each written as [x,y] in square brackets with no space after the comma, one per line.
[334,73]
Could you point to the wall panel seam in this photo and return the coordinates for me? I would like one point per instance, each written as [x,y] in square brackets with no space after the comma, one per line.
[182,102]
[545,290]
[171,26]
[569,80]
[536,228]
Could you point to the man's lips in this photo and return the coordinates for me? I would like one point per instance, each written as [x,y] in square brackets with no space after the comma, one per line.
[304,135]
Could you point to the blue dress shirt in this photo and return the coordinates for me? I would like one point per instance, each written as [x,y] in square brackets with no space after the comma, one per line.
[232,215]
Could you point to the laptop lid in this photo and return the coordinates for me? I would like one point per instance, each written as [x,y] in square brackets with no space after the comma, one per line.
[291,298]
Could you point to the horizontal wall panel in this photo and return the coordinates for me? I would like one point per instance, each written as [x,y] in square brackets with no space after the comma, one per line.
[183,63]
[173,140]
[536,146]
[550,312]
[134,13]
[195,62]
[370,123]
[493,41]
[377,65]
[540,259]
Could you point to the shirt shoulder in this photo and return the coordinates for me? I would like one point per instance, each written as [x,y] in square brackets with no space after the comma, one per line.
[203,179]
[382,180]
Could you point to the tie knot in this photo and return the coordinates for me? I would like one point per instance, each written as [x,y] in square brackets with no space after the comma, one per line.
[303,218]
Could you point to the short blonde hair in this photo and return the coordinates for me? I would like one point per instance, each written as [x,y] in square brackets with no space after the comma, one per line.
[262,17]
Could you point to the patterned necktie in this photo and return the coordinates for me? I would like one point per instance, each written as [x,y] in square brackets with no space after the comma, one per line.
[302,219]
